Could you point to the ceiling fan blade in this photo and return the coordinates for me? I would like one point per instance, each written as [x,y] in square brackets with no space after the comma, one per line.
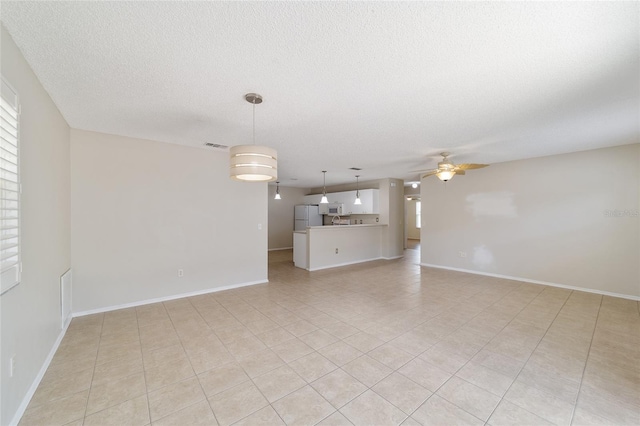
[470,166]
[430,173]
[460,172]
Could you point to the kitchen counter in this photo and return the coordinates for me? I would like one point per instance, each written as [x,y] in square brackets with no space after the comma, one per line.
[346,226]
[321,247]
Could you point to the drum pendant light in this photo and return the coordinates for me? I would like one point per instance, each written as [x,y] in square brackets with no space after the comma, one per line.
[253,163]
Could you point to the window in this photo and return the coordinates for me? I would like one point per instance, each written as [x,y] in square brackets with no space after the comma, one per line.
[418,210]
[9,189]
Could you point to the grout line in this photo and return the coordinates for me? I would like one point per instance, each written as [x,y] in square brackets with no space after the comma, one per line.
[595,326]
[95,363]
[144,370]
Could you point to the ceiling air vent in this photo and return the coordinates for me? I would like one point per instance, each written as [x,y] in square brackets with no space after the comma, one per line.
[355,168]
[215,145]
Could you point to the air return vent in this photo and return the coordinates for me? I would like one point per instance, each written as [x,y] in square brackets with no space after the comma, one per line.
[355,168]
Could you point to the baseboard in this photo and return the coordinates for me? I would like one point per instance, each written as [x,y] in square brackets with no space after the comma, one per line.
[166,298]
[345,264]
[527,280]
[281,248]
[36,382]
[394,257]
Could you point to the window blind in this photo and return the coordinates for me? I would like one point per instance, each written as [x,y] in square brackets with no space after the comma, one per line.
[9,189]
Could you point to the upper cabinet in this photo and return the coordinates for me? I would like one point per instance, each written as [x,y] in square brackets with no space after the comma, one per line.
[370,202]
[369,197]
[312,199]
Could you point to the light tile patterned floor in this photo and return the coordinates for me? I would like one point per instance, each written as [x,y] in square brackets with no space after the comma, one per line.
[385,342]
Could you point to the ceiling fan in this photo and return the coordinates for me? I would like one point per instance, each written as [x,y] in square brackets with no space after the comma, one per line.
[446,169]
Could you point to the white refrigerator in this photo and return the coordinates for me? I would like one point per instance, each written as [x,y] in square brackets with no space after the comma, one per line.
[306,215]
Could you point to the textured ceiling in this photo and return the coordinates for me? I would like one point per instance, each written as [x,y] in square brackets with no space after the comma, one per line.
[384,86]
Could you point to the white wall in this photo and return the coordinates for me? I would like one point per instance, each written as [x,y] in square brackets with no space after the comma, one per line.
[281,215]
[543,219]
[30,312]
[142,209]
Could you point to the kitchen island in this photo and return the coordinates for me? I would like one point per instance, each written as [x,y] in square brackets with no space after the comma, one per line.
[321,247]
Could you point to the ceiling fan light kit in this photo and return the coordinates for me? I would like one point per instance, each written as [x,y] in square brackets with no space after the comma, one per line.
[447,170]
[445,175]
[253,163]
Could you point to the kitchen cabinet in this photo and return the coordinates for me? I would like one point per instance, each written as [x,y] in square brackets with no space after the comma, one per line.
[369,197]
[312,199]
[300,257]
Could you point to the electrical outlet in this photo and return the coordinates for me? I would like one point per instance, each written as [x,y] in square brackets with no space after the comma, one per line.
[180,273]
[462,253]
[12,366]
[336,250]
[259,227]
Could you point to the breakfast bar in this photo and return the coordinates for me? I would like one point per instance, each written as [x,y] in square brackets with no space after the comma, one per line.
[322,247]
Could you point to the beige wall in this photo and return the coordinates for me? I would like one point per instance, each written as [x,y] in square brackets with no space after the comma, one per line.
[30,312]
[544,219]
[392,213]
[281,215]
[412,231]
[142,209]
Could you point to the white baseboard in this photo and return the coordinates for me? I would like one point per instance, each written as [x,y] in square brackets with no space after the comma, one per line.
[166,298]
[394,257]
[345,264]
[527,280]
[36,382]
[281,248]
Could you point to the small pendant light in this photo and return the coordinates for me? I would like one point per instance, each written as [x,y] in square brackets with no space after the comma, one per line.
[324,199]
[277,197]
[357,202]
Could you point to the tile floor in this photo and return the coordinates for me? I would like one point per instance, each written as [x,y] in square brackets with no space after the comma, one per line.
[385,342]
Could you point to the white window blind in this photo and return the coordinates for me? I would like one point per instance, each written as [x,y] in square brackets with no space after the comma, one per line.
[9,189]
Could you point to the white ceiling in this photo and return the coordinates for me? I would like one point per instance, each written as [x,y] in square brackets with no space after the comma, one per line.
[384,86]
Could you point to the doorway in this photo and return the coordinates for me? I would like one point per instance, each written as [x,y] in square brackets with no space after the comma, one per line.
[413,218]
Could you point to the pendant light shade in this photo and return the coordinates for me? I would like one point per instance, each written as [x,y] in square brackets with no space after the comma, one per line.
[358,201]
[277,197]
[253,163]
[324,199]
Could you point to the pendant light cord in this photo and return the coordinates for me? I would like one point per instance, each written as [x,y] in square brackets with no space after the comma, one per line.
[254,122]
[324,183]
